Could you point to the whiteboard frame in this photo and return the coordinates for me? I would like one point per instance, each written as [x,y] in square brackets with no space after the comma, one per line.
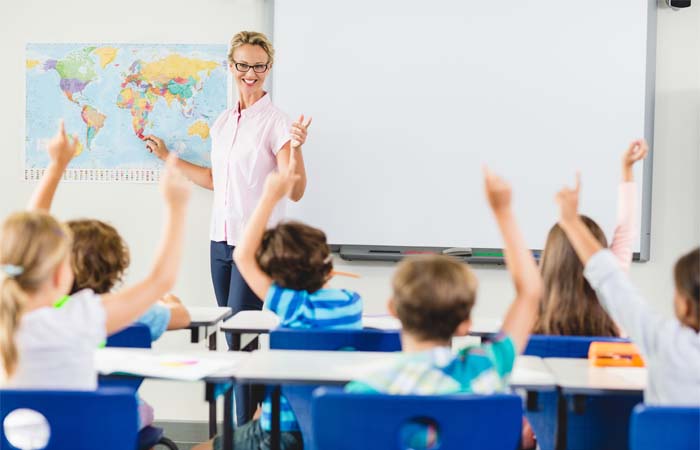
[395,253]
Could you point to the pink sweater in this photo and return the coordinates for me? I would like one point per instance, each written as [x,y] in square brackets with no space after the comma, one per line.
[625,231]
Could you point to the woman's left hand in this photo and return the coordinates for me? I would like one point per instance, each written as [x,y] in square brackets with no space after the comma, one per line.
[299,130]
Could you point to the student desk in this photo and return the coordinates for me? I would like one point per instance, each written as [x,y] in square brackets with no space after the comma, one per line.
[261,322]
[204,322]
[577,377]
[117,362]
[286,367]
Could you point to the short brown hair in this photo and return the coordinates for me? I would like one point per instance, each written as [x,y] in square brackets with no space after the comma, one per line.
[569,305]
[100,255]
[432,295]
[686,274]
[251,38]
[296,256]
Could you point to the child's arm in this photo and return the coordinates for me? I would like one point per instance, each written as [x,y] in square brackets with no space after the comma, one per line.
[277,186]
[125,306]
[625,232]
[61,150]
[179,315]
[522,313]
[615,291]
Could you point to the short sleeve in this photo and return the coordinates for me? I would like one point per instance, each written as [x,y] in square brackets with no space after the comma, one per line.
[284,302]
[156,319]
[502,352]
[279,132]
[85,314]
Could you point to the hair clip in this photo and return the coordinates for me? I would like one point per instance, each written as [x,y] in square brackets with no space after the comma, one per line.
[11,270]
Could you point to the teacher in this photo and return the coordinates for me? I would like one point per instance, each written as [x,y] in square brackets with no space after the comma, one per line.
[249,142]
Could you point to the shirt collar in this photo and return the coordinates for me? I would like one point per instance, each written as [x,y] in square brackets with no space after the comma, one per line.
[254,109]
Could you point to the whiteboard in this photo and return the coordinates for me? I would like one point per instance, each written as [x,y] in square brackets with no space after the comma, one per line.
[410,98]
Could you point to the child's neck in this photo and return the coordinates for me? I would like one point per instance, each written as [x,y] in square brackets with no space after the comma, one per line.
[41,299]
[410,343]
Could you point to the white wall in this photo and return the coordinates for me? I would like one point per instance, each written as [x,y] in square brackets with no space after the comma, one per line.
[136,209]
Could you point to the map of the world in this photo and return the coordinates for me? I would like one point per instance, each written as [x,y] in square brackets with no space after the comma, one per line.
[112,95]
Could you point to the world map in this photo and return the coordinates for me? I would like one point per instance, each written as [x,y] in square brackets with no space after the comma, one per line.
[113,95]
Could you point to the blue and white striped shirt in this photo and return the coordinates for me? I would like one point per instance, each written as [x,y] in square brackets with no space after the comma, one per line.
[325,308]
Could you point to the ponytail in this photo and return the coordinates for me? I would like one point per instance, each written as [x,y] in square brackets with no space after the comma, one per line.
[12,301]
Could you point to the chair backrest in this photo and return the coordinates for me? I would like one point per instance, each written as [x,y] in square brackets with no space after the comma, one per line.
[325,339]
[343,420]
[299,397]
[79,420]
[134,336]
[546,346]
[662,427]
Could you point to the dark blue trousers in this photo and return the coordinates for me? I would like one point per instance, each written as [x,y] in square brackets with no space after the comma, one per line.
[231,290]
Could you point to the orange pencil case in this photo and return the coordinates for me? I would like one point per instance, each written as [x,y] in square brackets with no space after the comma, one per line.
[614,354]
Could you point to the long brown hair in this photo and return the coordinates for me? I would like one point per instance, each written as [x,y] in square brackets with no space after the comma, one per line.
[569,305]
[32,246]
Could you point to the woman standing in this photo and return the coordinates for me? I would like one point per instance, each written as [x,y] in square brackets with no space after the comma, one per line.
[249,141]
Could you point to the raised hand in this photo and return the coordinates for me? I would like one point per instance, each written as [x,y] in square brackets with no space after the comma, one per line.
[62,148]
[298,132]
[636,151]
[155,145]
[498,191]
[173,184]
[280,184]
[567,199]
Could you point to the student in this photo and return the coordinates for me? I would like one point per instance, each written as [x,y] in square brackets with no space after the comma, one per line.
[670,346]
[288,266]
[100,257]
[43,347]
[569,304]
[433,297]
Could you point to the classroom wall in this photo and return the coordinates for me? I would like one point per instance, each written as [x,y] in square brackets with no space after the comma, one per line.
[136,209]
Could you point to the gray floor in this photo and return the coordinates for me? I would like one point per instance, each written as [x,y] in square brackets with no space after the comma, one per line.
[185,434]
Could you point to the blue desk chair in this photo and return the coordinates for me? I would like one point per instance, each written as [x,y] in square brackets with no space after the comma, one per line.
[78,420]
[386,422]
[366,340]
[668,428]
[592,422]
[136,336]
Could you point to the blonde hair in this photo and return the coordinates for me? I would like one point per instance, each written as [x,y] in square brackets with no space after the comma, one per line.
[35,244]
[251,38]
[432,295]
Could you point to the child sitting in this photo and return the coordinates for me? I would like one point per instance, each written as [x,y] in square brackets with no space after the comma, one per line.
[670,346]
[433,297]
[288,266]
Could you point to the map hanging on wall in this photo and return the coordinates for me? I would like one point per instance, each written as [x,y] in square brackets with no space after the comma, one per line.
[111,95]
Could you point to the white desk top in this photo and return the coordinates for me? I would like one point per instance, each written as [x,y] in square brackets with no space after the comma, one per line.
[578,376]
[530,372]
[183,366]
[208,315]
[324,367]
[251,322]
[263,321]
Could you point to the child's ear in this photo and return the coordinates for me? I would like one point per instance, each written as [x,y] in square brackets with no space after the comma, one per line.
[463,328]
[391,308]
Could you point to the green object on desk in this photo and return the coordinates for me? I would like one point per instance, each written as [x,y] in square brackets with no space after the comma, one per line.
[61,302]
[488,254]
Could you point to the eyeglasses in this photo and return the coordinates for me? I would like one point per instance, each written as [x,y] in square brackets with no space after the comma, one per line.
[257,68]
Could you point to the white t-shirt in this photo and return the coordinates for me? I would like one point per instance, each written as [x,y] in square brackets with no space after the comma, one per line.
[57,345]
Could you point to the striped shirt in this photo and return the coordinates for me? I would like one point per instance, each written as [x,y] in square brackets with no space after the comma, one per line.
[482,369]
[325,308]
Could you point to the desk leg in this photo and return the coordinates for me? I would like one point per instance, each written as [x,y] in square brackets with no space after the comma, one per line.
[210,397]
[194,335]
[562,413]
[275,419]
[228,418]
[235,342]
[212,340]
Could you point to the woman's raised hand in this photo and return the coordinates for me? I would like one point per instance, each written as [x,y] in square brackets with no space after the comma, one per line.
[299,130]
[155,145]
